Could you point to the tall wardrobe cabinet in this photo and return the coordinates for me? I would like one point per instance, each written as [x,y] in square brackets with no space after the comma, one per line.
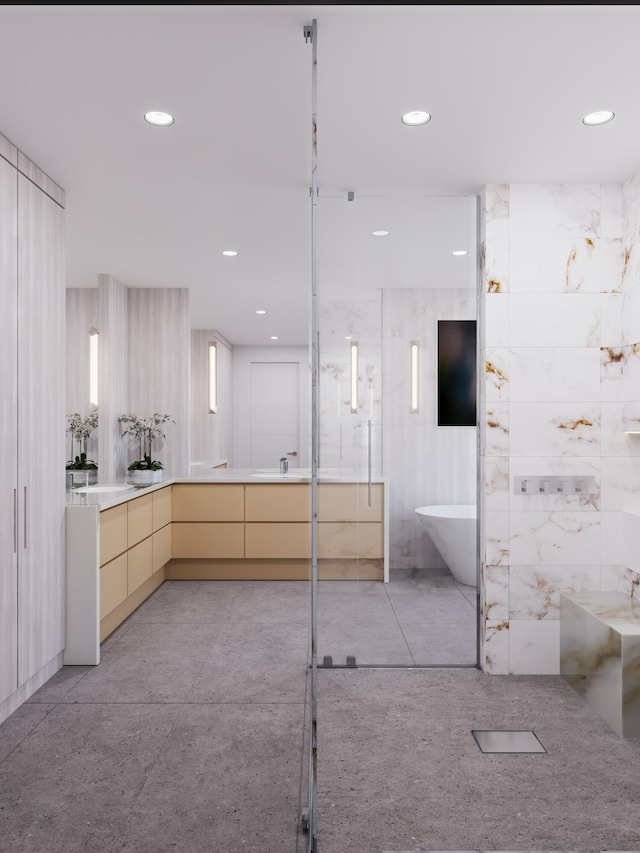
[32,427]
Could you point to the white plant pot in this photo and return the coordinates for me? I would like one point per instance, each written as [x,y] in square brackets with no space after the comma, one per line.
[145,476]
[81,478]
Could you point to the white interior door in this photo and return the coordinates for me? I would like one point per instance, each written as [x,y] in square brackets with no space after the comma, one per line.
[275,414]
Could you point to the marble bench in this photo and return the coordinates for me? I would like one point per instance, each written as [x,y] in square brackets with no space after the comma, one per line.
[600,655]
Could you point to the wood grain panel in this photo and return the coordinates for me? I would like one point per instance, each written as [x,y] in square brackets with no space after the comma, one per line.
[277,502]
[126,607]
[8,428]
[248,570]
[349,539]
[159,331]
[161,508]
[266,540]
[208,502]
[139,519]
[113,532]
[113,377]
[139,564]
[113,584]
[81,316]
[161,545]
[350,502]
[9,151]
[41,180]
[41,428]
[223,540]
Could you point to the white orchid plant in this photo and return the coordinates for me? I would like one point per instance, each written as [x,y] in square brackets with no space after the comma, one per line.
[146,430]
[80,430]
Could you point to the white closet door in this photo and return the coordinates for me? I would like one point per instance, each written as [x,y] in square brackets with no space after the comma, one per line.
[41,428]
[8,431]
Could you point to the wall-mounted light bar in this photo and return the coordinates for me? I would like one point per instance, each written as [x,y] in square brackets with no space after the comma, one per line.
[94,335]
[415,376]
[353,374]
[213,377]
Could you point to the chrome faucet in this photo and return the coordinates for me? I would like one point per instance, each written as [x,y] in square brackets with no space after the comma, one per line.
[284,465]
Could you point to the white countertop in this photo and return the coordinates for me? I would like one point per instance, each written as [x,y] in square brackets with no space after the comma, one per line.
[109,497]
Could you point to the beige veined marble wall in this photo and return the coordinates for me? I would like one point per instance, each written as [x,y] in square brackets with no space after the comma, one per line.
[561,363]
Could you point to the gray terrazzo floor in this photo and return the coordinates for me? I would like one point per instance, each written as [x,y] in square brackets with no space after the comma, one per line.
[191,735]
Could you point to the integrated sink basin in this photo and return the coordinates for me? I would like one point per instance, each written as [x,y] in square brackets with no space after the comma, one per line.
[276,475]
[98,488]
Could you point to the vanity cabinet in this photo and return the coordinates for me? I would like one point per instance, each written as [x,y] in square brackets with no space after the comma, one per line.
[32,445]
[350,531]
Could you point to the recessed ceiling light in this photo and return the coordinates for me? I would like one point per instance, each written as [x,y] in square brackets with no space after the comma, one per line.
[274,337]
[158,118]
[260,311]
[599,117]
[379,233]
[229,253]
[459,252]
[415,118]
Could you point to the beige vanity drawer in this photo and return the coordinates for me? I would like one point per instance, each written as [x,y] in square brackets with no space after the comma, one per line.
[113,584]
[267,541]
[161,508]
[277,502]
[349,539]
[207,540]
[113,533]
[207,502]
[161,545]
[140,565]
[349,502]
[140,519]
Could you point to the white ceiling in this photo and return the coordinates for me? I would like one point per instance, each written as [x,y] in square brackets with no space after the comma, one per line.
[507,87]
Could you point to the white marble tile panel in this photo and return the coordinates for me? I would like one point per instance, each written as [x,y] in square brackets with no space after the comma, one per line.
[611,309]
[496,374]
[496,483]
[496,320]
[554,538]
[561,265]
[620,373]
[621,483]
[611,265]
[620,579]
[496,586]
[496,538]
[534,591]
[496,267]
[631,316]
[556,466]
[611,208]
[616,418]
[534,647]
[565,428]
[554,319]
[620,538]
[554,374]
[554,210]
[496,210]
[631,203]
[631,259]
[495,647]
[495,429]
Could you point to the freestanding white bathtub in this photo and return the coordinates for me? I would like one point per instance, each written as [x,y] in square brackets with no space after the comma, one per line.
[453,529]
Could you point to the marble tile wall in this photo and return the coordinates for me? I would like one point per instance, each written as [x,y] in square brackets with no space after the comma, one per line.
[560,346]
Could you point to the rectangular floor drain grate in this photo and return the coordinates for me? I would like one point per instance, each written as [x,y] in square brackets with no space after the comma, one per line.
[507,741]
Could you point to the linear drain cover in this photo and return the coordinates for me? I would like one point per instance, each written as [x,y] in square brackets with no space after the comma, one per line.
[509,741]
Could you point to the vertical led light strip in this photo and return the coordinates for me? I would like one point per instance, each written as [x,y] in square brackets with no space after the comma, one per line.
[213,377]
[414,376]
[93,366]
[353,373]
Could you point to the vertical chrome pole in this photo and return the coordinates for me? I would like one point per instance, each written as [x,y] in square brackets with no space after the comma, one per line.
[311,34]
